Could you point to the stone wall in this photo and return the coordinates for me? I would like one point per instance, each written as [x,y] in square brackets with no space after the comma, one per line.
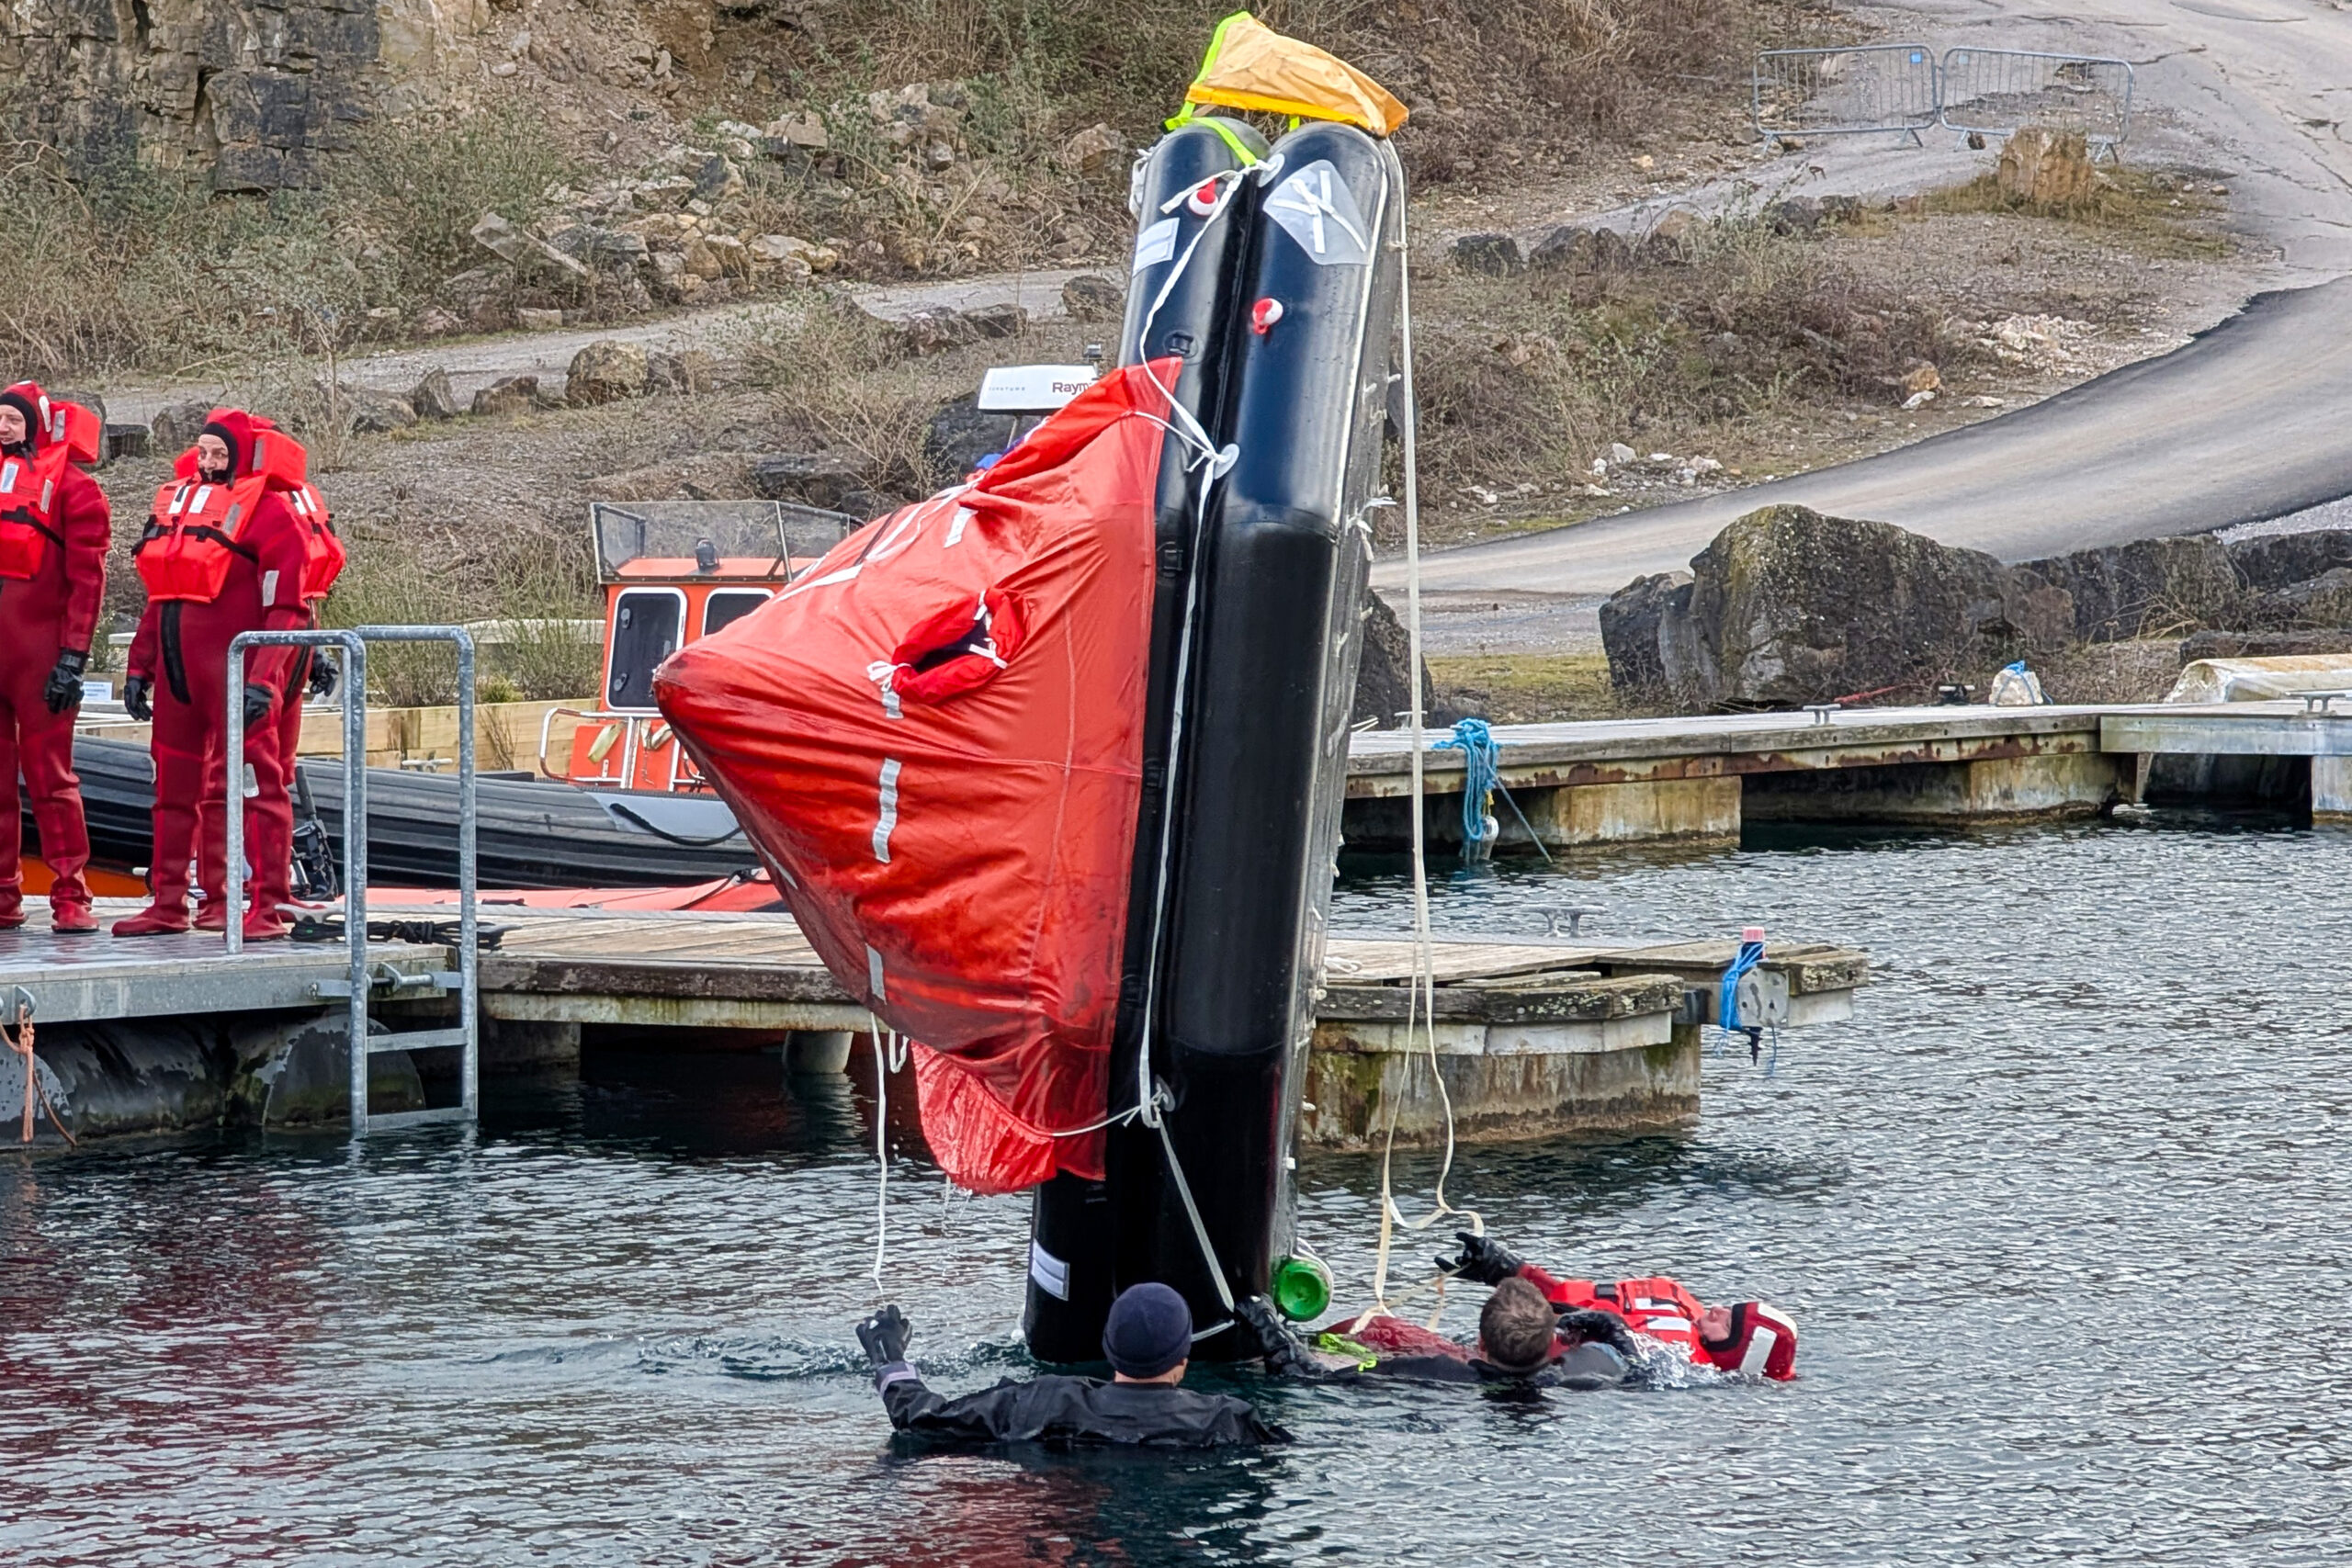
[256,95]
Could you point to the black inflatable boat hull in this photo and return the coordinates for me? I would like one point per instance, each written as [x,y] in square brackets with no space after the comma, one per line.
[529,834]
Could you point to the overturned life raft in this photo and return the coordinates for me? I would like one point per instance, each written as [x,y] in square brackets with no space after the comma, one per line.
[1049,766]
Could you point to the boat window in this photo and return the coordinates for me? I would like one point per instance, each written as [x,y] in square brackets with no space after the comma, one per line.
[645,624]
[728,605]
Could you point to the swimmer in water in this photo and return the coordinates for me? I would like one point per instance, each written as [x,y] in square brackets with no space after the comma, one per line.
[1749,1336]
[1148,1341]
[1519,1343]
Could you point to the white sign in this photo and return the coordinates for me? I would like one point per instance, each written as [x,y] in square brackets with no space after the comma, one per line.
[1031,388]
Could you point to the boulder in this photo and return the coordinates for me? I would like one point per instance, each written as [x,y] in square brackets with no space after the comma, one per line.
[1581,249]
[2315,602]
[2046,168]
[606,371]
[539,318]
[1633,623]
[482,297]
[2145,588]
[1787,606]
[370,412]
[126,441]
[1091,297]
[1381,691]
[959,435]
[176,425]
[717,179]
[1670,236]
[508,394]
[812,479]
[1489,255]
[935,331]
[434,321]
[433,397]
[1092,149]
[519,247]
[689,370]
[998,321]
[2276,560]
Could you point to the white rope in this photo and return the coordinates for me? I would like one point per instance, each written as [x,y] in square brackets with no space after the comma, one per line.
[889,1056]
[1420,1012]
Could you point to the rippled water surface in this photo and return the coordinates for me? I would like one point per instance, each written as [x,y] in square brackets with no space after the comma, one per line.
[2061,1214]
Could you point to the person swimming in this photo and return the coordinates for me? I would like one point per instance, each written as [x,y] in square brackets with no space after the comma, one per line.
[1149,1342]
[1753,1337]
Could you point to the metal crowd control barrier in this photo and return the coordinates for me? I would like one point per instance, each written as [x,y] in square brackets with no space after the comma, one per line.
[1842,92]
[1995,91]
[466,1038]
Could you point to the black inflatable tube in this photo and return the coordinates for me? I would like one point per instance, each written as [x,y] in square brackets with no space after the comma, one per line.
[1262,769]
[1072,1273]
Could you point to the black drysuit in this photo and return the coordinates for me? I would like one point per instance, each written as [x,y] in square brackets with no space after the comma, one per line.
[1058,1409]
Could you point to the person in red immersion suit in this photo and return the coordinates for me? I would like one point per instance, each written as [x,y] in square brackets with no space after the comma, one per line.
[54,529]
[310,671]
[223,553]
[1750,1337]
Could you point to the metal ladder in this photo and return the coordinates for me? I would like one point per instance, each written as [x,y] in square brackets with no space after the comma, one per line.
[363,976]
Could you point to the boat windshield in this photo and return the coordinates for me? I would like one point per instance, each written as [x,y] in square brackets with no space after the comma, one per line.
[767,540]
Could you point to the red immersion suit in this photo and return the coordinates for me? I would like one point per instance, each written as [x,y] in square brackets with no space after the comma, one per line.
[218,559]
[1762,1340]
[54,528]
[322,556]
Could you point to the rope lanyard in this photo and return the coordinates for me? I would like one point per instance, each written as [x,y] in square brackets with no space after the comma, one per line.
[1420,1012]
[889,1056]
[21,1043]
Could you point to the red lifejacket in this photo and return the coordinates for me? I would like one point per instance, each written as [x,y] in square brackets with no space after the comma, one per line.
[197,527]
[28,488]
[1763,1341]
[322,550]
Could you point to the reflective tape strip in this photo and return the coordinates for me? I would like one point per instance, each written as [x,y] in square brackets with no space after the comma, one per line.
[874,975]
[47,490]
[889,817]
[1760,1350]
[955,529]
[268,590]
[9,476]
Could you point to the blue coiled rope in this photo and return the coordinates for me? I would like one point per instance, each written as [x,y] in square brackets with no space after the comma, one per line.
[1481,776]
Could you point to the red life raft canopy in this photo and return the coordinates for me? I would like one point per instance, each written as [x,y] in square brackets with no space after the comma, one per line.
[936,737]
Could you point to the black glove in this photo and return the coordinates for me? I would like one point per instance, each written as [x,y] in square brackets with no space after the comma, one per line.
[64,689]
[1276,1342]
[134,698]
[322,676]
[885,1337]
[1484,1260]
[1595,1327]
[258,699]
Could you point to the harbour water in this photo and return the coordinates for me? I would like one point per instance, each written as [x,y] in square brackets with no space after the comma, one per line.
[2061,1215]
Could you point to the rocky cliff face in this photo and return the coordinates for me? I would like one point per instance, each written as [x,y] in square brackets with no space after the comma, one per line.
[257,94]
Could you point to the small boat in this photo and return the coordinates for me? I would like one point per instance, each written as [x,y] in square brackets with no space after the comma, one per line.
[529,833]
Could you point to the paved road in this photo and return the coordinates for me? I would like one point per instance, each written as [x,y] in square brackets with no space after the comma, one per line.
[2251,420]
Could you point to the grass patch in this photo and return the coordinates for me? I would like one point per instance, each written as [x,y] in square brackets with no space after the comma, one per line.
[127,266]
[543,658]
[1732,326]
[2155,211]
[1528,688]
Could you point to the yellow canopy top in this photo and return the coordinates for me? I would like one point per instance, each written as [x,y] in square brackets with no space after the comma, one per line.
[1251,66]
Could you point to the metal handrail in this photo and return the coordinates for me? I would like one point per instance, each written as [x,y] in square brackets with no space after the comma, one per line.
[354,646]
[627,721]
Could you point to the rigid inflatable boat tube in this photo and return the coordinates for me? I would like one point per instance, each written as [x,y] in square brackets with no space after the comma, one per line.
[1263,762]
[1071,1277]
